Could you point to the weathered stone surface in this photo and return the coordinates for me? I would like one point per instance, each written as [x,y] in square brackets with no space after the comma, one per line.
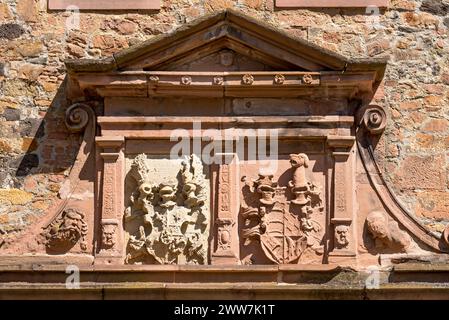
[126,27]
[437,7]
[420,19]
[30,71]
[5,13]
[255,4]
[14,196]
[27,10]
[422,172]
[436,125]
[75,51]
[28,48]
[434,205]
[108,44]
[215,5]
[10,31]
[403,4]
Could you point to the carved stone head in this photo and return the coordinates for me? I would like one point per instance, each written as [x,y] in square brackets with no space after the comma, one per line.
[266,188]
[66,230]
[341,236]
[377,224]
[108,235]
[299,160]
[145,194]
[167,194]
[226,58]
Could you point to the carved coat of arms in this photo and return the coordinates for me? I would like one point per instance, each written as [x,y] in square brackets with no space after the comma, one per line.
[285,228]
[173,216]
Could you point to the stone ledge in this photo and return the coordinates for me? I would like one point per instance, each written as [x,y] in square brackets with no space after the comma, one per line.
[213,291]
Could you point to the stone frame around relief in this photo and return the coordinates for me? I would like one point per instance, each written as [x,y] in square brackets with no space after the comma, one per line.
[104,5]
[167,211]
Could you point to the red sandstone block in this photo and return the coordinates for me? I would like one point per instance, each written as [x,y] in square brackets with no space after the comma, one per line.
[330,3]
[105,4]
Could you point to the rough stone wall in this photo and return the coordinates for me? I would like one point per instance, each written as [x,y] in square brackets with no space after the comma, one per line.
[36,155]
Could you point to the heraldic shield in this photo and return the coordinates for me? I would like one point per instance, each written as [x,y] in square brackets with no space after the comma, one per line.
[283,241]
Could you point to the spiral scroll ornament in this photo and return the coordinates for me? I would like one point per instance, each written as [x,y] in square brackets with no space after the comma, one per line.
[77,117]
[374,119]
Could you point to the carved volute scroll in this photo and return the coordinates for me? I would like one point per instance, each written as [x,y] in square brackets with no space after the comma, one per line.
[373,118]
[173,217]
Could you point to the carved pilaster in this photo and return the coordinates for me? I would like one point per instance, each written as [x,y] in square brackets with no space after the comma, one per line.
[342,214]
[110,242]
[226,249]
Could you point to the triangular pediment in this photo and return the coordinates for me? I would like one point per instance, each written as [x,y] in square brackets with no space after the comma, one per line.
[251,40]
[195,52]
[228,30]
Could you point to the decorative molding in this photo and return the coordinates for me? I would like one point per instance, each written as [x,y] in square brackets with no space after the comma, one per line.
[247,79]
[342,204]
[226,234]
[279,78]
[77,117]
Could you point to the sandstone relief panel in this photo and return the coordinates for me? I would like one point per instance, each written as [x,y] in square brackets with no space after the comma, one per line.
[283,217]
[325,202]
[167,218]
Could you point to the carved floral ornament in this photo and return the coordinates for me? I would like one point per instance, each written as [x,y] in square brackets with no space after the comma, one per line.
[204,79]
[279,79]
[248,79]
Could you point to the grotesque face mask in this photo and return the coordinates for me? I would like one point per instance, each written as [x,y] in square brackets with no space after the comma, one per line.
[341,236]
[108,235]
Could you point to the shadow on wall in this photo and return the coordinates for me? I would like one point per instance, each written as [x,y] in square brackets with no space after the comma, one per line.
[53,149]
